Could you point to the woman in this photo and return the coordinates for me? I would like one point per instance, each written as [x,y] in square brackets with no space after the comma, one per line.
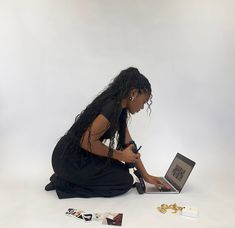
[84,166]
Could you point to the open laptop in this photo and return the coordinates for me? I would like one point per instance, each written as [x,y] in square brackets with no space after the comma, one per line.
[175,177]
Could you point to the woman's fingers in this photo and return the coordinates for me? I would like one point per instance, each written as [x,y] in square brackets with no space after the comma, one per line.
[164,185]
[137,156]
[130,155]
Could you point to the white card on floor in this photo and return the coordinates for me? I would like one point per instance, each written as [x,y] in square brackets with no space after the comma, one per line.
[190,212]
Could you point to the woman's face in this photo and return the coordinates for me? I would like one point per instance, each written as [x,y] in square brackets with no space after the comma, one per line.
[137,101]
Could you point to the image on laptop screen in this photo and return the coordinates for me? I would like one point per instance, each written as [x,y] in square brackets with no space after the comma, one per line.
[179,171]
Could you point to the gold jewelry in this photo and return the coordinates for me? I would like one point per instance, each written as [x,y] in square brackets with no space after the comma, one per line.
[164,207]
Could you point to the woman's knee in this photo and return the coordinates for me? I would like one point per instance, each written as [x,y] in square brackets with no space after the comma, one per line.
[128,180]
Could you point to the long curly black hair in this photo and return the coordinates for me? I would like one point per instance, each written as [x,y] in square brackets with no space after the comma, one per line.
[117,90]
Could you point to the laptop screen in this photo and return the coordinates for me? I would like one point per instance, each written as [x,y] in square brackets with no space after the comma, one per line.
[179,171]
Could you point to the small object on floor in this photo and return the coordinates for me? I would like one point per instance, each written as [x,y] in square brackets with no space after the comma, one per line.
[74,213]
[164,207]
[107,218]
[114,219]
[190,212]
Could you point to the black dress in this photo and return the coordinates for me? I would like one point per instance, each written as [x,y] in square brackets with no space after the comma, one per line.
[83,174]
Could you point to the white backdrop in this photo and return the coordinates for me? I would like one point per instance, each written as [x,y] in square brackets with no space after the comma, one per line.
[55,56]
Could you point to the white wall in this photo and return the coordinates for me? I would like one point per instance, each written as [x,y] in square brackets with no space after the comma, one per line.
[55,56]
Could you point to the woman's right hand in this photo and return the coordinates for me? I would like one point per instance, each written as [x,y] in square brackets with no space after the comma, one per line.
[129,156]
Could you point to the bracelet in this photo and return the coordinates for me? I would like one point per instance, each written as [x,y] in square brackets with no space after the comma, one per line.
[110,152]
[129,143]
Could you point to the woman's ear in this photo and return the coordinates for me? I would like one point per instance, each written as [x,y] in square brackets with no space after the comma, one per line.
[134,93]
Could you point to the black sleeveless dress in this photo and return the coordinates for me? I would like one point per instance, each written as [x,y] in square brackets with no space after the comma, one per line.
[83,174]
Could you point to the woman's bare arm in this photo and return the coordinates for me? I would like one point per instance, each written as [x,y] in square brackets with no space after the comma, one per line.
[91,141]
[139,164]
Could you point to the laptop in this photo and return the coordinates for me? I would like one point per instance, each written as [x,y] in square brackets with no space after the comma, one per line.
[175,177]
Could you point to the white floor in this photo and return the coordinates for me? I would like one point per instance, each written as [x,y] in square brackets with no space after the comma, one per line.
[25,204]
